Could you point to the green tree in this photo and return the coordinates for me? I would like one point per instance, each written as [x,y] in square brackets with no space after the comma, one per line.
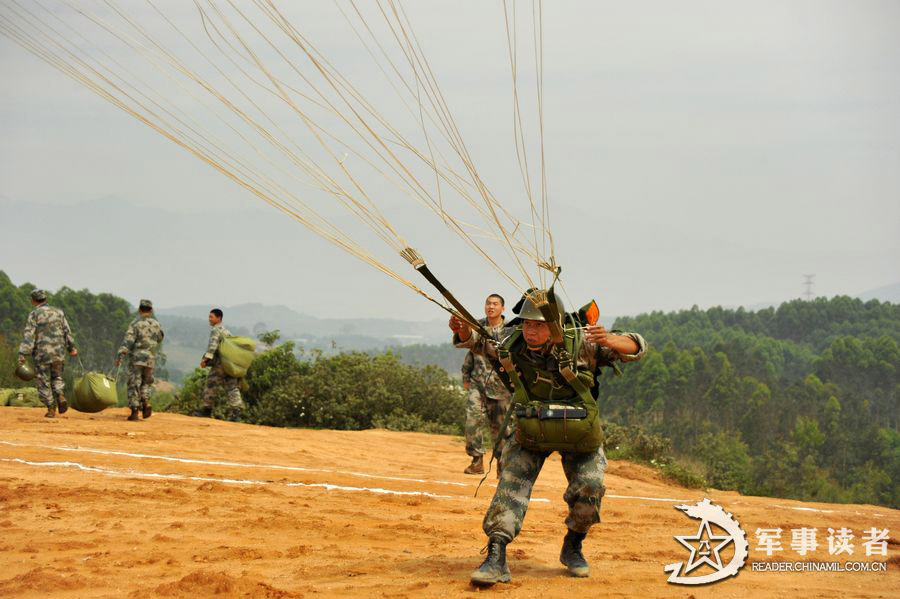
[270,338]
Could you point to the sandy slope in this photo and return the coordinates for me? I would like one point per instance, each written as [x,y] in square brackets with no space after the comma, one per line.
[81,523]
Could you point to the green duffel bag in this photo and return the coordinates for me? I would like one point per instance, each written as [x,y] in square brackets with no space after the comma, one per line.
[94,392]
[25,397]
[5,395]
[236,354]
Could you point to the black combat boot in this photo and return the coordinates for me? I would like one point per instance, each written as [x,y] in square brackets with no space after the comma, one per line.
[572,557]
[134,414]
[234,415]
[62,405]
[494,568]
[51,412]
[204,412]
[146,409]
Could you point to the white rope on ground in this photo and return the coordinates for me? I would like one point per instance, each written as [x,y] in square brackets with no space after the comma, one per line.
[226,481]
[232,464]
[288,468]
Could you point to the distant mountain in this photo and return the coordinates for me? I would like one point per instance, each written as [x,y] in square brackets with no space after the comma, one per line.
[363,333]
[888,293]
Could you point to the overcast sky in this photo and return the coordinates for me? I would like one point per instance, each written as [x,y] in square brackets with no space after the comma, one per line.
[697,153]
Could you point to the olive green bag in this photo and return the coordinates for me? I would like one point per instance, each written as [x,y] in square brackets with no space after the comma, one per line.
[94,392]
[552,414]
[236,354]
[23,397]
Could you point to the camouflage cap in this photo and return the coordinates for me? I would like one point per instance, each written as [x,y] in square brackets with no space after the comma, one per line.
[145,304]
[39,295]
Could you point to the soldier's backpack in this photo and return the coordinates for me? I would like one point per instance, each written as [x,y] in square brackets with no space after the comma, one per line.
[236,354]
[94,392]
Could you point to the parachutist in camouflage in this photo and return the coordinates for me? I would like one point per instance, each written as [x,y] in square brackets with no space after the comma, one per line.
[488,396]
[47,338]
[554,409]
[217,378]
[141,342]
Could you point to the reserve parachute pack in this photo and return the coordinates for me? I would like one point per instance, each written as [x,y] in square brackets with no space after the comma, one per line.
[555,410]
[236,354]
[94,392]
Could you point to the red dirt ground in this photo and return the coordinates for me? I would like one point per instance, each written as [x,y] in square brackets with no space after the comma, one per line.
[77,522]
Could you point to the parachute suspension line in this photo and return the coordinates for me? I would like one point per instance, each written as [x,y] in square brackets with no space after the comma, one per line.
[368,211]
[233,38]
[333,81]
[417,59]
[511,24]
[34,45]
[538,28]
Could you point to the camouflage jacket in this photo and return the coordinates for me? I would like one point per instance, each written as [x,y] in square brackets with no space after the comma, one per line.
[216,335]
[467,366]
[482,372]
[591,357]
[141,341]
[47,336]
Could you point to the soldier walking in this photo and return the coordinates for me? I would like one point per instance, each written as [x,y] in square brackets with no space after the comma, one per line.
[218,379]
[554,409]
[487,396]
[141,342]
[47,338]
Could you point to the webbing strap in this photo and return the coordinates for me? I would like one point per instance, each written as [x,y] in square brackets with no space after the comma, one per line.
[510,370]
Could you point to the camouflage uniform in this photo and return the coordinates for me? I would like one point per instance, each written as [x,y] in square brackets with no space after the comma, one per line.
[520,466]
[141,342]
[487,396]
[47,339]
[217,378]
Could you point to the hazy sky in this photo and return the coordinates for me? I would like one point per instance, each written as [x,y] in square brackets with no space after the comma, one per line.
[697,152]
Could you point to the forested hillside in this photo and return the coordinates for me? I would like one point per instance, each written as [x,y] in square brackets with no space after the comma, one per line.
[98,323]
[801,401]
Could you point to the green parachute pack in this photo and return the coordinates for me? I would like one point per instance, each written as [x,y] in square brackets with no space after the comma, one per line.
[236,354]
[94,392]
[23,397]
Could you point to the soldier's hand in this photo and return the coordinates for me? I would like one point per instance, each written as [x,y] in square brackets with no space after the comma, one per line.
[457,324]
[466,385]
[203,363]
[118,363]
[597,334]
[21,360]
[73,353]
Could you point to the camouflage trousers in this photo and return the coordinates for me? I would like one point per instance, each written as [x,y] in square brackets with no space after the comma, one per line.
[521,467]
[140,385]
[218,381]
[478,408]
[49,379]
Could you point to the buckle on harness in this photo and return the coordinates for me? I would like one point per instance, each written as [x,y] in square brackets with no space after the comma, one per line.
[538,379]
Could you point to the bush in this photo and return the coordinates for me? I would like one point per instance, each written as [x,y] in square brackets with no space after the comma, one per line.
[349,391]
[635,444]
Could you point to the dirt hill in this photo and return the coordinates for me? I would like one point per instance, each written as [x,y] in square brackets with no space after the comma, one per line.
[94,506]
